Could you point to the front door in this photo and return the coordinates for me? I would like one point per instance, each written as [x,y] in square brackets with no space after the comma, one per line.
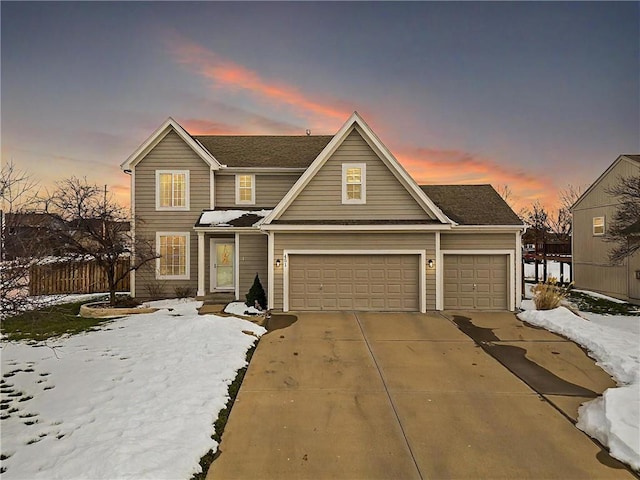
[222,265]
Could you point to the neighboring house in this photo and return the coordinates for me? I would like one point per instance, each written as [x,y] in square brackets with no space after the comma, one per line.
[30,235]
[34,234]
[592,213]
[327,222]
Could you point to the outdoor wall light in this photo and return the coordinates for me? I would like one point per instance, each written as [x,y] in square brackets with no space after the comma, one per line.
[430,263]
[278,262]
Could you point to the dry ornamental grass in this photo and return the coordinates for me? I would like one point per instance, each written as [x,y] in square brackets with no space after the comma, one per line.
[550,294]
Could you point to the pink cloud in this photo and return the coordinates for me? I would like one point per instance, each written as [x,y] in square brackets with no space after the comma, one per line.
[224,73]
[458,167]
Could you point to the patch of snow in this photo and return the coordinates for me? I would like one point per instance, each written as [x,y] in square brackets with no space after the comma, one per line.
[223,217]
[613,342]
[136,399]
[553,270]
[600,295]
[613,420]
[240,308]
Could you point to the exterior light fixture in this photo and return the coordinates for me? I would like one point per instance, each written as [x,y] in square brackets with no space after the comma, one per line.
[278,263]
[430,263]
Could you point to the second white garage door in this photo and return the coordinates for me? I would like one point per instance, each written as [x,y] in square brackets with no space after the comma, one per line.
[475,282]
[354,282]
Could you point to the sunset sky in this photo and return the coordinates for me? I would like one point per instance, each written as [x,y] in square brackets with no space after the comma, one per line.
[531,95]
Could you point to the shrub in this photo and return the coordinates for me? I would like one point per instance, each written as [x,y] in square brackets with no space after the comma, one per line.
[183,292]
[256,294]
[550,294]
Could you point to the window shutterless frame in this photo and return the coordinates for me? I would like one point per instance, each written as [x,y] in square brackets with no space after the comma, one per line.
[354,183]
[598,226]
[245,189]
[174,250]
[172,190]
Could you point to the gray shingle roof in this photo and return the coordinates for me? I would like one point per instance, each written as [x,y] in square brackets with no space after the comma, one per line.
[472,204]
[264,150]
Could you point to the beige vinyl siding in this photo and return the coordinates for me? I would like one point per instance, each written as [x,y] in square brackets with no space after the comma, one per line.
[477,241]
[171,153]
[607,279]
[270,189]
[587,247]
[598,196]
[355,241]
[386,197]
[253,257]
[592,269]
[634,283]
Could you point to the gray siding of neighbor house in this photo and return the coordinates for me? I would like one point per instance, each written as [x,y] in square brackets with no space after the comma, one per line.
[253,259]
[171,153]
[270,188]
[634,282]
[386,197]
[359,242]
[477,241]
[592,269]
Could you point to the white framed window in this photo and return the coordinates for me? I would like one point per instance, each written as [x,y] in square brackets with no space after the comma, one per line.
[354,183]
[246,189]
[598,226]
[173,250]
[172,189]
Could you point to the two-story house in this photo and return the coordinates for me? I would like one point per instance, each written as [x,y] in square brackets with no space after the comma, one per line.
[592,214]
[327,222]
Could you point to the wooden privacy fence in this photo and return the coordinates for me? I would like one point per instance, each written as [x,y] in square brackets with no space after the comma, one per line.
[74,277]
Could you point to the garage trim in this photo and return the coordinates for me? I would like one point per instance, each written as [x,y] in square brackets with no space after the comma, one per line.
[422,269]
[440,273]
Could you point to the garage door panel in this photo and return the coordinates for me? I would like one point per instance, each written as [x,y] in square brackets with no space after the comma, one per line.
[354,282]
[475,282]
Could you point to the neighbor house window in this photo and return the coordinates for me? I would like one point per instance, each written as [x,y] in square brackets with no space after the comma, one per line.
[172,189]
[598,225]
[246,189]
[173,251]
[354,183]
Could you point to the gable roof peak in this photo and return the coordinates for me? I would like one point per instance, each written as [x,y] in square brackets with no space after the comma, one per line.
[170,124]
[355,120]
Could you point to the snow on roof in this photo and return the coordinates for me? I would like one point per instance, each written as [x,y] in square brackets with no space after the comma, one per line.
[225,218]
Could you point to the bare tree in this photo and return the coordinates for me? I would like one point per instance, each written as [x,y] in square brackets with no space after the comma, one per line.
[19,249]
[624,228]
[508,196]
[97,229]
[560,222]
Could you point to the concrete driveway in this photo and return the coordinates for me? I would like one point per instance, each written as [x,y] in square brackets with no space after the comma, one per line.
[401,396]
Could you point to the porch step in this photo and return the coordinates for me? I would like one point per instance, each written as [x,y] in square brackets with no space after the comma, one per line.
[217,298]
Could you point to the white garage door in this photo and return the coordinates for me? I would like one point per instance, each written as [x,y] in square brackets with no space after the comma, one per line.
[354,282]
[475,282]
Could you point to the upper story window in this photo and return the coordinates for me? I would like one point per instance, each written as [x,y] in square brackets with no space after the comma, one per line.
[172,189]
[354,183]
[173,262]
[246,189]
[598,225]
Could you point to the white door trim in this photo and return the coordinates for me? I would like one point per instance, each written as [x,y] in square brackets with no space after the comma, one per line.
[510,262]
[421,271]
[213,287]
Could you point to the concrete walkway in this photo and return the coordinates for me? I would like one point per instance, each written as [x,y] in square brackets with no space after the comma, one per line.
[403,396]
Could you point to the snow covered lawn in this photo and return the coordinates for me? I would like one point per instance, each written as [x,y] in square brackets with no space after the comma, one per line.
[614,342]
[136,399]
